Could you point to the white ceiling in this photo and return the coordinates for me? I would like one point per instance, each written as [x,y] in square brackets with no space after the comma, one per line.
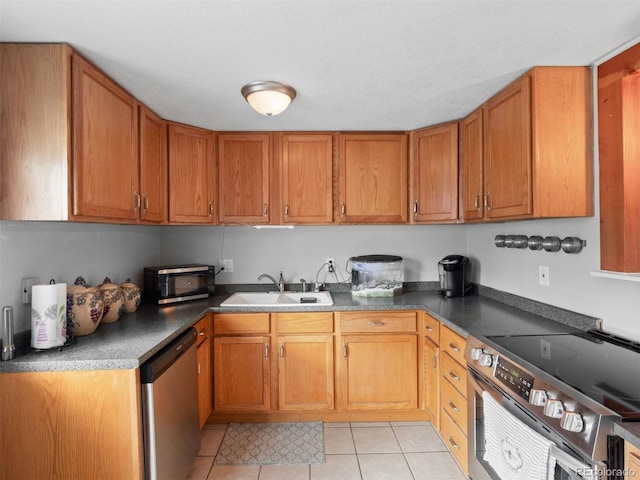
[357,65]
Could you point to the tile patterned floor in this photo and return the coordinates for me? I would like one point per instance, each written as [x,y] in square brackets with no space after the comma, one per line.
[354,451]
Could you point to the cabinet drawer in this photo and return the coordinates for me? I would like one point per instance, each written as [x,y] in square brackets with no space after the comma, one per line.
[431,328]
[373,322]
[453,344]
[203,328]
[455,440]
[451,371]
[454,404]
[239,323]
[304,322]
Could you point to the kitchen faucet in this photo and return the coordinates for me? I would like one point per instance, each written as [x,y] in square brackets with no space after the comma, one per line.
[304,285]
[279,283]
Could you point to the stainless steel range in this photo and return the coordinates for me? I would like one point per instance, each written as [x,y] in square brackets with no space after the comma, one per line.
[561,390]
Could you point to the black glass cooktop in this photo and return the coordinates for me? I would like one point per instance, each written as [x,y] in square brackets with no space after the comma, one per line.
[602,366]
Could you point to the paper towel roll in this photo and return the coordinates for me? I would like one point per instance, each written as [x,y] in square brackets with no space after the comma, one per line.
[48,315]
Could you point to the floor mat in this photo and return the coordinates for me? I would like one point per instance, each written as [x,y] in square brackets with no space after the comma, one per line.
[272,444]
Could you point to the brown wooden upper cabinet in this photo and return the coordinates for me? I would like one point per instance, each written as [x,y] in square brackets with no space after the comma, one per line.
[538,146]
[191,175]
[618,135]
[51,95]
[153,167]
[434,174]
[105,147]
[306,170]
[373,178]
[471,178]
[244,163]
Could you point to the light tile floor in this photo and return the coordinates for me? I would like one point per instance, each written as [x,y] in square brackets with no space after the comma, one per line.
[354,451]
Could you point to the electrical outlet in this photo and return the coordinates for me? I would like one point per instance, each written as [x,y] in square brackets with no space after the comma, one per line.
[25,288]
[330,264]
[226,265]
[543,275]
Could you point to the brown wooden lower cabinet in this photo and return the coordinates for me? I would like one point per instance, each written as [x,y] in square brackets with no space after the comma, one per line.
[453,395]
[71,424]
[631,461]
[205,387]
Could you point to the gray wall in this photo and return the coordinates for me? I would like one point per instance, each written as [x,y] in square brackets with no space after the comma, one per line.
[300,253]
[64,251]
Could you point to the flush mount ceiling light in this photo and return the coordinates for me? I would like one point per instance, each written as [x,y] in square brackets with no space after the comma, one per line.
[268,98]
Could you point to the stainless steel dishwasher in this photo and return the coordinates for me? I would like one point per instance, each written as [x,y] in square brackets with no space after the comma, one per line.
[170,409]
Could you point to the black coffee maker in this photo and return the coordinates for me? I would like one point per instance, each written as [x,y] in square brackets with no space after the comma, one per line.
[453,271]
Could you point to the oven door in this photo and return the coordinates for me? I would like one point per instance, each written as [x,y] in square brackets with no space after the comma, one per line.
[568,465]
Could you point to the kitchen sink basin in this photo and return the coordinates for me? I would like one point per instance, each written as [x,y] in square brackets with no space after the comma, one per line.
[277,299]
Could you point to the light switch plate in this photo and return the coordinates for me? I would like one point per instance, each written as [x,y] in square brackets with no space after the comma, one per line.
[25,288]
[543,275]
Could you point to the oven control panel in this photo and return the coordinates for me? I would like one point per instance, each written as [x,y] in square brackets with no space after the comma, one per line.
[513,377]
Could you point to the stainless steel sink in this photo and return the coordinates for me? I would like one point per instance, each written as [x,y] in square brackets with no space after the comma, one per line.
[277,299]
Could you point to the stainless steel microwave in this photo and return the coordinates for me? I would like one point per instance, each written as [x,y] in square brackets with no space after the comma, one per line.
[178,283]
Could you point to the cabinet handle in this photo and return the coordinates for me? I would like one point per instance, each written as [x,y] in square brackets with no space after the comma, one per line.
[477,202]
[415,207]
[453,443]
[454,376]
[486,201]
[429,329]
[145,204]
[453,347]
[198,368]
[342,209]
[344,349]
[201,333]
[377,323]
[453,407]
[265,209]
[281,349]
[266,350]
[210,209]
[434,361]
[137,207]
[286,210]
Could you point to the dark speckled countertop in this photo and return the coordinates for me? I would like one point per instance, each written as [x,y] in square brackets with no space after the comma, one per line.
[136,337]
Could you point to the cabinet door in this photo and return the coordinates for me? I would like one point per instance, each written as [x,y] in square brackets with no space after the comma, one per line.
[431,379]
[373,178]
[105,153]
[305,372]
[507,152]
[243,170]
[204,380]
[241,374]
[379,372]
[471,155]
[153,167]
[191,175]
[434,173]
[307,193]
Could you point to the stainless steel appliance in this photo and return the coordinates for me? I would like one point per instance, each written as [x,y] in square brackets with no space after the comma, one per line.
[171,425]
[178,283]
[570,388]
[453,271]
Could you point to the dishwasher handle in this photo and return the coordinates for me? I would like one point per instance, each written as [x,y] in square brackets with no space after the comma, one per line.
[161,361]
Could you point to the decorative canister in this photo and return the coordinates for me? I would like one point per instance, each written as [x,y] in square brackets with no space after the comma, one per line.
[84,308]
[113,301]
[131,294]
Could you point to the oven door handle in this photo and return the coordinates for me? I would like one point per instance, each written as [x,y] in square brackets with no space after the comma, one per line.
[570,462]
